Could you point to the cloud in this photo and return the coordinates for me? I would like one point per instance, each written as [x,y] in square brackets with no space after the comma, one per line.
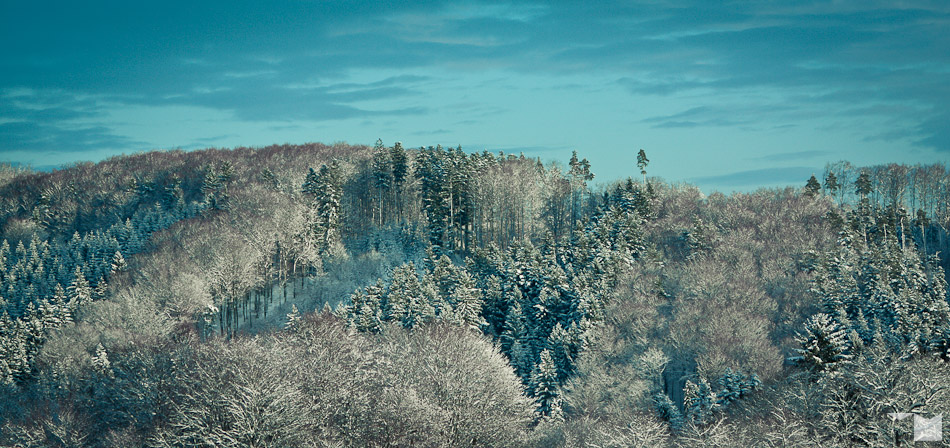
[29,136]
[790,156]
[878,66]
[434,132]
[54,120]
[935,133]
[695,117]
[764,176]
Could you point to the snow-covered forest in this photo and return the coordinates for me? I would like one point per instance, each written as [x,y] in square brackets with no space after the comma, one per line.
[314,295]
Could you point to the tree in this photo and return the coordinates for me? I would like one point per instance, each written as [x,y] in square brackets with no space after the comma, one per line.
[324,191]
[408,303]
[863,184]
[382,176]
[812,187]
[699,402]
[100,361]
[824,345]
[579,174]
[544,387]
[118,262]
[400,169]
[79,290]
[642,163]
[831,183]
[467,302]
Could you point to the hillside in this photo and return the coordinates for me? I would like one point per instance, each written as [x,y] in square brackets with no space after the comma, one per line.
[344,295]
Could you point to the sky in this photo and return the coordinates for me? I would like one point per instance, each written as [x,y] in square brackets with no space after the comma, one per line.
[726,95]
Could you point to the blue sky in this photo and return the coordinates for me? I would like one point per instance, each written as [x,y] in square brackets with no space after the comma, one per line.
[727,95]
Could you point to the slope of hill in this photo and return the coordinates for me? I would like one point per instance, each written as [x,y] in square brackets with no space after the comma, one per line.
[372,296]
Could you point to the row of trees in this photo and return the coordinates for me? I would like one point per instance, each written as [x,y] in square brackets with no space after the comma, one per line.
[472,200]
[919,189]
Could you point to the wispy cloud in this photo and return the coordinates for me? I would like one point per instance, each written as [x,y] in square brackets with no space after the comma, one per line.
[764,176]
[876,68]
[791,156]
[695,117]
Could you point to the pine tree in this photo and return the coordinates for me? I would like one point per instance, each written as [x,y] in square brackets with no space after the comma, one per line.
[400,168]
[544,388]
[579,174]
[382,177]
[831,183]
[467,302]
[79,290]
[118,262]
[211,189]
[863,184]
[293,318]
[563,351]
[734,385]
[366,312]
[642,163]
[100,361]
[324,191]
[824,344]
[668,411]
[812,187]
[406,300]
[699,401]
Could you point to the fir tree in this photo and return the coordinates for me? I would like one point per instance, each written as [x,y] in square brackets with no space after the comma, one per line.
[324,191]
[642,163]
[293,318]
[544,387]
[863,184]
[812,187]
[79,290]
[382,176]
[406,300]
[467,302]
[668,411]
[118,262]
[831,183]
[100,361]
[699,401]
[824,344]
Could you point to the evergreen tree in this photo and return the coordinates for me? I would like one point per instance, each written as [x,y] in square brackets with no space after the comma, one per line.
[467,302]
[382,177]
[407,301]
[734,385]
[118,262]
[324,191]
[400,168]
[824,344]
[668,411]
[699,401]
[79,290]
[812,187]
[100,361]
[863,184]
[831,183]
[579,174]
[211,189]
[642,163]
[293,318]
[544,387]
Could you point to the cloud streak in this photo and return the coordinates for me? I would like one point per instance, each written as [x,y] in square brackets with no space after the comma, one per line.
[873,69]
[764,177]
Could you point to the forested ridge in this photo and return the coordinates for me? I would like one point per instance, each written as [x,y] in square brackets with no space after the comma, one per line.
[315,295]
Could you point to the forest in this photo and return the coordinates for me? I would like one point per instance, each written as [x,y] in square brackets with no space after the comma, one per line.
[346,295]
